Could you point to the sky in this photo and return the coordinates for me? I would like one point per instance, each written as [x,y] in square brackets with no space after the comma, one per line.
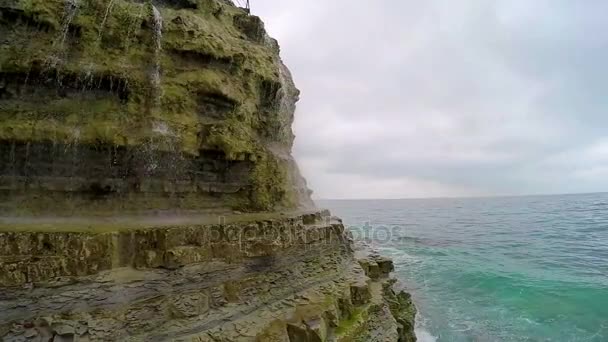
[443,98]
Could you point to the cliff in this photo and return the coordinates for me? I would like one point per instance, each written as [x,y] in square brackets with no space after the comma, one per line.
[116,104]
[147,187]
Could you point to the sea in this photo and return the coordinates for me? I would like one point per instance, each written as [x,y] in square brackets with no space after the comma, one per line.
[531,268]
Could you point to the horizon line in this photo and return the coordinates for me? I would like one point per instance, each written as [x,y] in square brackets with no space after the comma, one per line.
[460,197]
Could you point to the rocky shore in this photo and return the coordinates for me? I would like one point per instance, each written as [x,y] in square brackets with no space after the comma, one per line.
[148,191]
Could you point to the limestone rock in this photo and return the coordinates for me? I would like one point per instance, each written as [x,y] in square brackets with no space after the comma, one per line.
[317,328]
[360,294]
[297,332]
[376,266]
[189,305]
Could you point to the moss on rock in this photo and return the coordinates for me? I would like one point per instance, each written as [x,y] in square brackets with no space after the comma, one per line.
[84,72]
[269,184]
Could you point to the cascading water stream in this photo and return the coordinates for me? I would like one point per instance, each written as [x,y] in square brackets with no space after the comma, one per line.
[164,137]
[71,7]
[152,147]
[105,18]
[285,101]
[70,10]
[76,158]
[88,73]
[157,26]
[285,106]
[134,25]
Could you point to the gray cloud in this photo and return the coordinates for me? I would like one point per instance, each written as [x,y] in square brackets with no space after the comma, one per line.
[444,98]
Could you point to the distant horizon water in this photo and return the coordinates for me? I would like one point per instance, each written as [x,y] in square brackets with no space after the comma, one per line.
[525,268]
[459,197]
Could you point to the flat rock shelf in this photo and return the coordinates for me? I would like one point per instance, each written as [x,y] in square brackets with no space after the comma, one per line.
[285,277]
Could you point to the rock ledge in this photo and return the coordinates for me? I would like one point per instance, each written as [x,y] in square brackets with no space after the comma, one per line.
[287,278]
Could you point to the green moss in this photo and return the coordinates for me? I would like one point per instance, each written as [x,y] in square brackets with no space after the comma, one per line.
[349,328]
[44,10]
[269,184]
[119,46]
[202,53]
[404,311]
[232,137]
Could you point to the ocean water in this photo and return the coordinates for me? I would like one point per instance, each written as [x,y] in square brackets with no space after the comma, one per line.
[495,269]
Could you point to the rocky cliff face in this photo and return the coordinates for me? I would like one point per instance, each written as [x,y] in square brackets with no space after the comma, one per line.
[120,104]
[114,108]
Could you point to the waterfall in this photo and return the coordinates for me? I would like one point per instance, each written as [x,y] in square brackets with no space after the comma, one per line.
[105,18]
[286,105]
[165,138]
[300,186]
[70,9]
[285,102]
[157,127]
[158,36]
[133,27]
[74,146]
[150,149]
[162,129]
[87,76]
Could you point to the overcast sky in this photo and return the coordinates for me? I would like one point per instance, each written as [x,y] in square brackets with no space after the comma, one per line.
[438,98]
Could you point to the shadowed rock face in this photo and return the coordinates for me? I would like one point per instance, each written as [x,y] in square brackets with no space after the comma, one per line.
[131,105]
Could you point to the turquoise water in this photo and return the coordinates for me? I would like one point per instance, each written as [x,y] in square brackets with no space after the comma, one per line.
[496,269]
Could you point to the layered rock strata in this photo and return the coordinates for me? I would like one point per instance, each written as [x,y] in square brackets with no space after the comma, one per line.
[133,105]
[279,278]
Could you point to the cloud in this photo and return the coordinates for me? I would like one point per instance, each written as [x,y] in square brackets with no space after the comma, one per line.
[443,98]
